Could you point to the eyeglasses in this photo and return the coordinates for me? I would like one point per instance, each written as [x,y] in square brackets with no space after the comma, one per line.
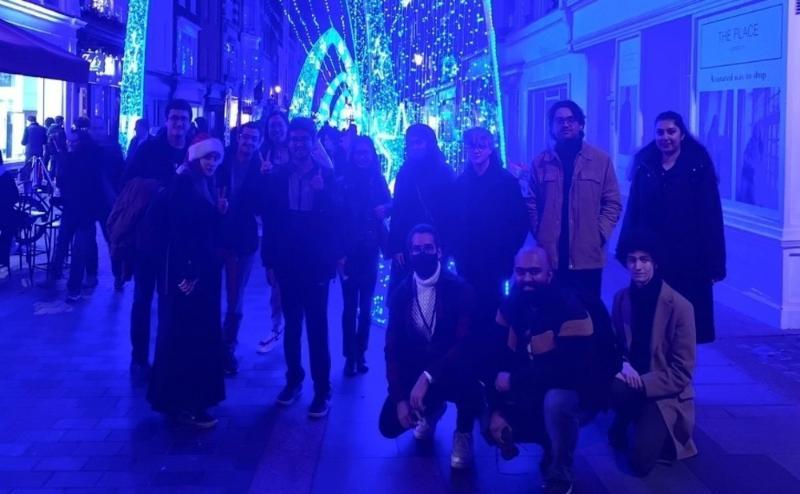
[423,249]
[565,120]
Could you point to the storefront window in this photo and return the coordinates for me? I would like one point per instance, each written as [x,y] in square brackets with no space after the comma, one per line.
[21,96]
[740,85]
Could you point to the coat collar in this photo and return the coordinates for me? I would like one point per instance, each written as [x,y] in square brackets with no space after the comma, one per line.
[664,309]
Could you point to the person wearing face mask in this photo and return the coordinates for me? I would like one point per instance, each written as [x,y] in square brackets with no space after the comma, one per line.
[675,195]
[367,203]
[490,222]
[422,194]
[574,202]
[552,361]
[652,395]
[428,350]
[187,376]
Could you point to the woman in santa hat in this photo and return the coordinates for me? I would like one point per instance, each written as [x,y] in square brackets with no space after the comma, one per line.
[187,376]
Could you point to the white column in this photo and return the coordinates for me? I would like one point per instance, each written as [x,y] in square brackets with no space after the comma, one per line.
[790,312]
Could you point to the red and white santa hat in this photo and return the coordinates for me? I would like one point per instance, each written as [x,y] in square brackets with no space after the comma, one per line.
[204,144]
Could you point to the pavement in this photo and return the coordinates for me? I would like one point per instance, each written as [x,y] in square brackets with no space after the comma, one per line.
[73,420]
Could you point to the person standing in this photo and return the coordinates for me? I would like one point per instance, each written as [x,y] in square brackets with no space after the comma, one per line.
[34,139]
[490,222]
[422,194]
[238,180]
[275,152]
[187,376]
[653,393]
[574,201]
[367,203]
[141,135]
[675,195]
[80,182]
[301,249]
[156,160]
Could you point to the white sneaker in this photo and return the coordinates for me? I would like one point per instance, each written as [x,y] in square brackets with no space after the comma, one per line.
[266,345]
[426,427]
[461,455]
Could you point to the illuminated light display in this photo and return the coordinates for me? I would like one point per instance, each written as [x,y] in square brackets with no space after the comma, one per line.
[400,62]
[132,87]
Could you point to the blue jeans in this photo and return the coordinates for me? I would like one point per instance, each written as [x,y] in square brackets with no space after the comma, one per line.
[563,416]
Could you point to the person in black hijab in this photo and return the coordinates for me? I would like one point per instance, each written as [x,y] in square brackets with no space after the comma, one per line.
[421,195]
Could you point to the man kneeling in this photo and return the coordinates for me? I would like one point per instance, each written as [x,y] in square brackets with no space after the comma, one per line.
[554,359]
[426,350]
[653,394]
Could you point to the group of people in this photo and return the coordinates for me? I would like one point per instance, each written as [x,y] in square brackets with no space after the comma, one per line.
[551,357]
[534,362]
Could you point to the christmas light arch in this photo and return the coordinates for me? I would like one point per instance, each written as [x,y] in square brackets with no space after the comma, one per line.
[344,89]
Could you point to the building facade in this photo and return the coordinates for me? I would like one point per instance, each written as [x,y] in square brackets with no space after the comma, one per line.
[56,23]
[729,66]
[222,58]
[101,42]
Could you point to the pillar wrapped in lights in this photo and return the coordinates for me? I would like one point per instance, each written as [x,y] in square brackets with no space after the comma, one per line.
[133,69]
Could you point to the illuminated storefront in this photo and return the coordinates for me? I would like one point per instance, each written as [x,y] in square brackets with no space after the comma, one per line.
[38,46]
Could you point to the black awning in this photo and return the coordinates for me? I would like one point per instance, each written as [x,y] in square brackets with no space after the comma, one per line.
[26,54]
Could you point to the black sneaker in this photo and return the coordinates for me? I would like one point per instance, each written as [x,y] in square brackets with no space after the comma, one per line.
[231,365]
[289,394]
[557,487]
[362,367]
[350,369]
[320,406]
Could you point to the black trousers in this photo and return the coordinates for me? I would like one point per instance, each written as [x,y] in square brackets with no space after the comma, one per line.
[357,293]
[8,229]
[468,398]
[587,283]
[306,300]
[639,417]
[145,274]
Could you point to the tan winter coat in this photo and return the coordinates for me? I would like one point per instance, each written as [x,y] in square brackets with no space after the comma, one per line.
[669,381]
[594,205]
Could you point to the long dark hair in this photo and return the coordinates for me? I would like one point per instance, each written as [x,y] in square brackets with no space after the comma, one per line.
[375,162]
[424,132]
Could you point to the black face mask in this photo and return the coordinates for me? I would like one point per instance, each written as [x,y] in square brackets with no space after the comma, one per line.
[528,297]
[424,264]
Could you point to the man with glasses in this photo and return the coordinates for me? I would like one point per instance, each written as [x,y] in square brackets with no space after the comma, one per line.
[301,248]
[156,162]
[490,222]
[574,201]
[239,183]
[427,350]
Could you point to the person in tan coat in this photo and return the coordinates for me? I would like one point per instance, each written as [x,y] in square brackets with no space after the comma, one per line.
[573,201]
[652,394]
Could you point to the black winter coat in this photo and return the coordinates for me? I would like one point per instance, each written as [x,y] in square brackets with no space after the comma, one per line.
[682,208]
[421,195]
[448,354]
[364,234]
[155,158]
[301,244]
[490,223]
[238,228]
